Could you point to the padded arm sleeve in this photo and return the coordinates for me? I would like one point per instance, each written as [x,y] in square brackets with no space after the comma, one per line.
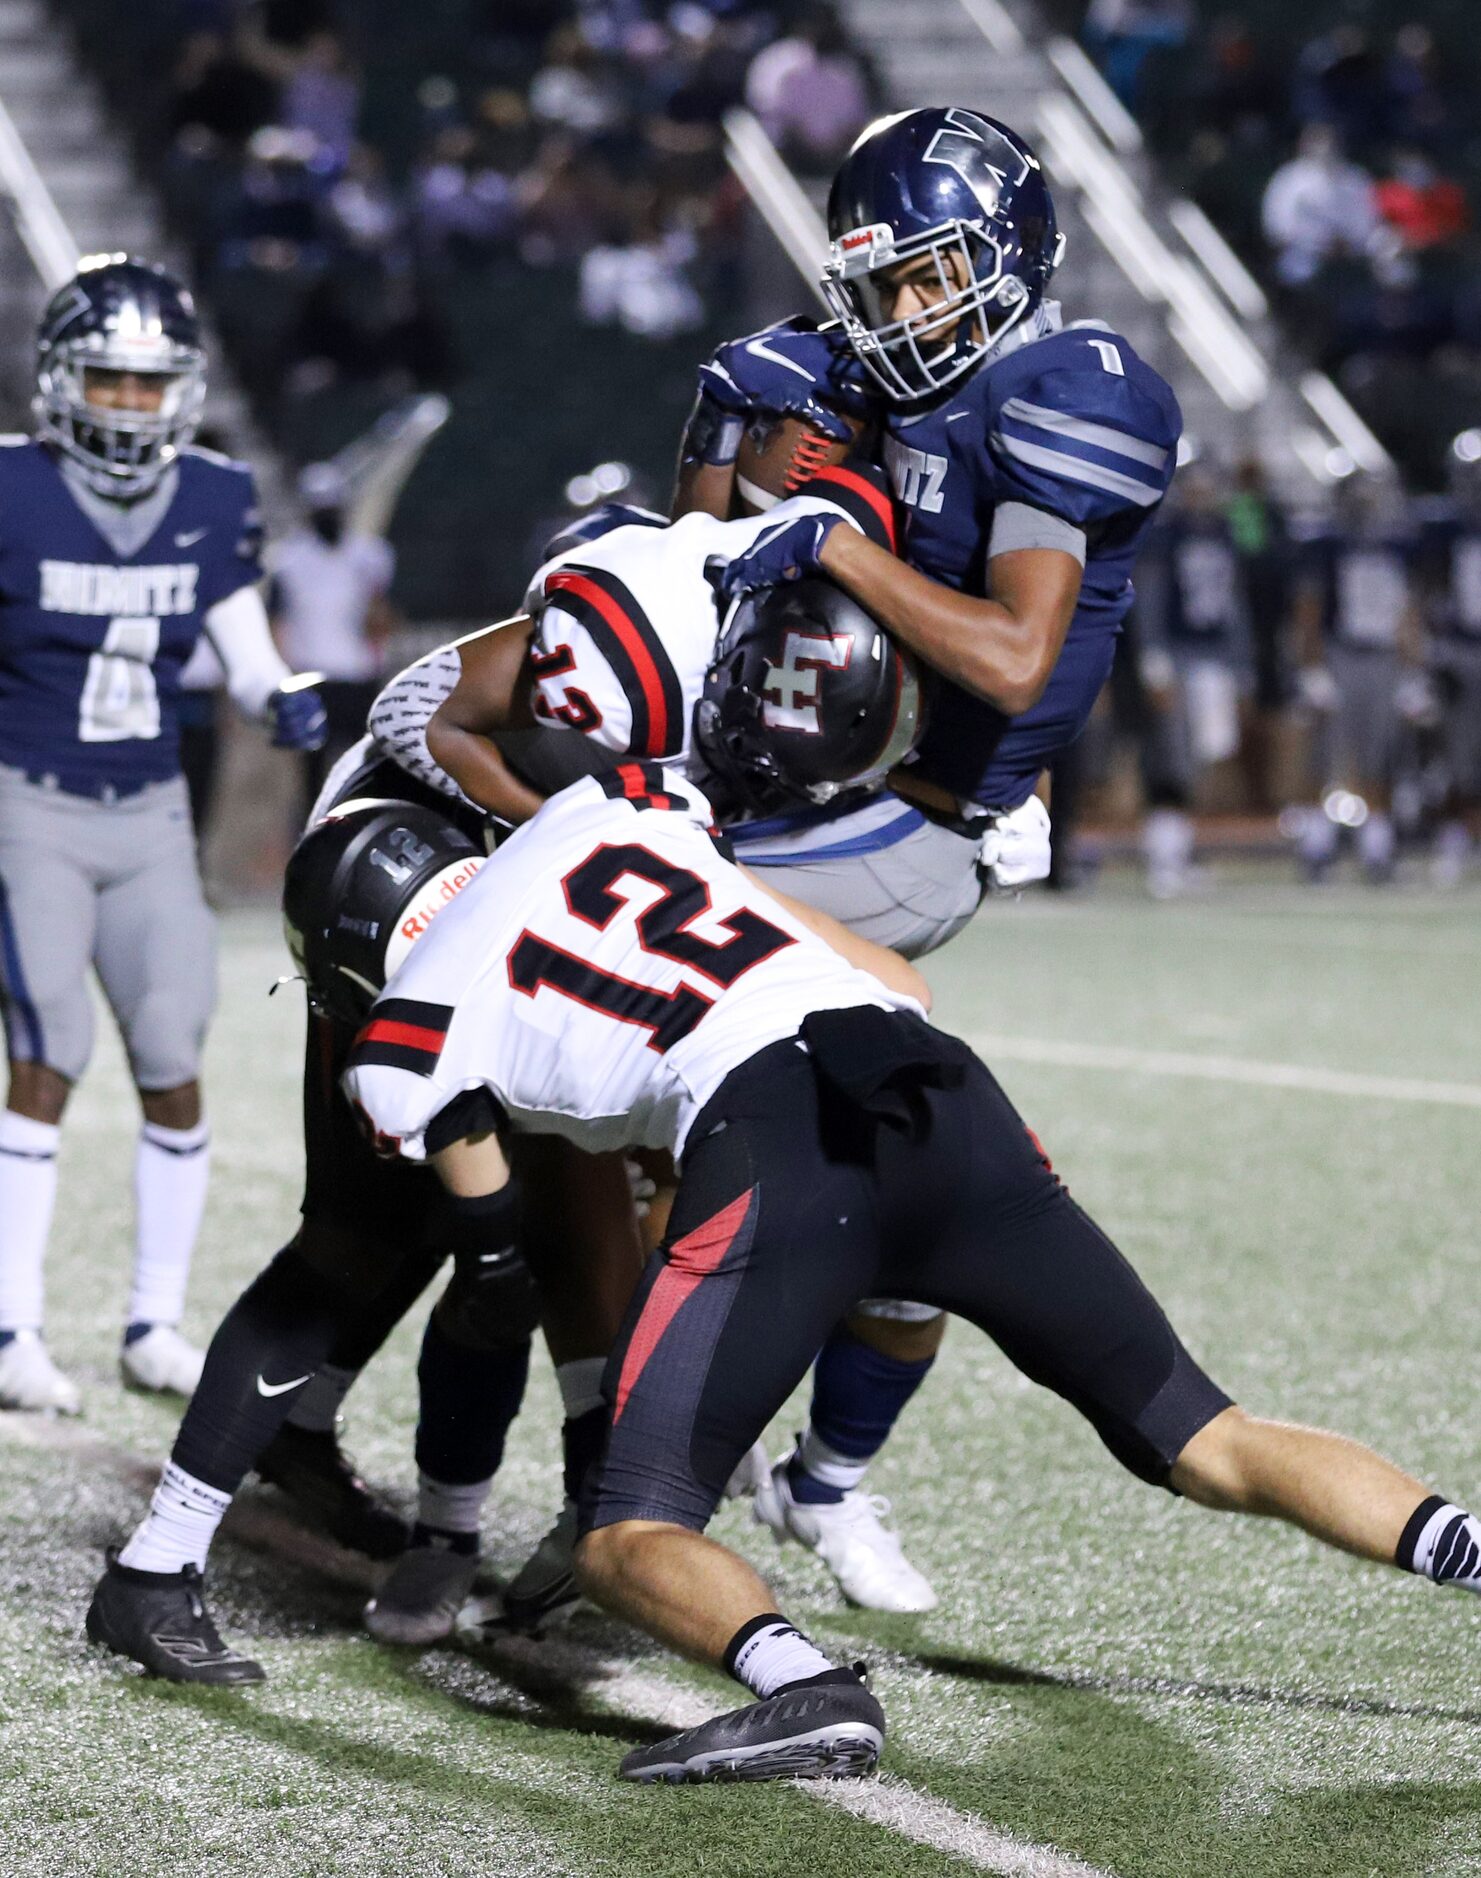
[237,627]
[400,715]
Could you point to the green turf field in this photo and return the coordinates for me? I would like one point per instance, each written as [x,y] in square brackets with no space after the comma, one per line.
[1114,1683]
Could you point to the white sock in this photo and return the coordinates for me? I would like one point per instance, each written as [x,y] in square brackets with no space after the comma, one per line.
[1376,840]
[28,1192]
[768,1653]
[580,1384]
[826,1465]
[179,1526]
[1167,842]
[318,1404]
[1447,1546]
[1318,837]
[448,1507]
[171,1169]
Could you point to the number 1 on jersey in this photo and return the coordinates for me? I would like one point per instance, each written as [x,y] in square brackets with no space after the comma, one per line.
[1110,357]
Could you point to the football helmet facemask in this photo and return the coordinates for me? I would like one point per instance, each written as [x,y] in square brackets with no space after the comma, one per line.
[967,194]
[361,888]
[807,695]
[119,315]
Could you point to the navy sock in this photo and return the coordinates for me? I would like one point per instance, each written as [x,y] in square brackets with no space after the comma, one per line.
[858,1395]
[468,1400]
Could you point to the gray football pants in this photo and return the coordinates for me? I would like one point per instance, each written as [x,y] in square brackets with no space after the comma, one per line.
[113,885]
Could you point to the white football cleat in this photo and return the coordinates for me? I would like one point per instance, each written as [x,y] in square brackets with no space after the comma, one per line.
[851,1539]
[30,1380]
[163,1361]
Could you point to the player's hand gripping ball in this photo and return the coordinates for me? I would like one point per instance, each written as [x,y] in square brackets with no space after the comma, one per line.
[790,370]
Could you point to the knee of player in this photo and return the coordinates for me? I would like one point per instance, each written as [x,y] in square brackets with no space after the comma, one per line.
[599,1555]
[1213,1469]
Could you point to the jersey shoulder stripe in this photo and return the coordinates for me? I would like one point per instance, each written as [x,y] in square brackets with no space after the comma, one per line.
[403,1033]
[625,636]
[1076,469]
[864,497]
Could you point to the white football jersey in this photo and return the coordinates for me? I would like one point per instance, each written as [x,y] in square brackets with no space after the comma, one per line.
[600,978]
[626,625]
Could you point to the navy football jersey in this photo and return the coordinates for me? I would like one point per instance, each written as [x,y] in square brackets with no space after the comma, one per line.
[1191,598]
[1073,424]
[1365,586]
[92,641]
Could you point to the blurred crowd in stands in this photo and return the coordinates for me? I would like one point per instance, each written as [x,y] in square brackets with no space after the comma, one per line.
[1337,145]
[578,133]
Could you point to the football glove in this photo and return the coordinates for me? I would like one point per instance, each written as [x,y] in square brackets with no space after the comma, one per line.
[788,370]
[295,714]
[782,553]
[1015,850]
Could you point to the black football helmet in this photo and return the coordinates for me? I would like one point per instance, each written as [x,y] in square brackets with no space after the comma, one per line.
[362,886]
[807,695]
[119,315]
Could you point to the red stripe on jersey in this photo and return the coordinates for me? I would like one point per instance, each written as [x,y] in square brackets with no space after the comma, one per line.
[861,486]
[690,1259]
[635,645]
[410,1036]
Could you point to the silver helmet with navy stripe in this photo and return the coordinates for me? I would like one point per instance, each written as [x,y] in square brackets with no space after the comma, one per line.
[120,373]
[943,239]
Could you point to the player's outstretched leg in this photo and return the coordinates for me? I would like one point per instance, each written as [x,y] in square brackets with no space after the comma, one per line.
[475,1358]
[172,1169]
[264,1352]
[1333,1488]
[809,1718]
[868,1371]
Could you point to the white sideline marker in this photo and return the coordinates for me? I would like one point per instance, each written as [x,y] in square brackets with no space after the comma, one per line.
[1236,1069]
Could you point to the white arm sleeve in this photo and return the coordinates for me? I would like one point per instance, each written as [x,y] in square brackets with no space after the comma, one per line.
[400,715]
[237,627]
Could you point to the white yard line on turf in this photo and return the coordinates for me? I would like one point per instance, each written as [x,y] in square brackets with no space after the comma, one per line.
[1238,1069]
[888,1802]
[899,1807]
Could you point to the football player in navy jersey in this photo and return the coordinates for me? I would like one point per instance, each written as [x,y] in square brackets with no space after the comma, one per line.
[119,546]
[1193,646]
[1453,618]
[1029,456]
[1360,644]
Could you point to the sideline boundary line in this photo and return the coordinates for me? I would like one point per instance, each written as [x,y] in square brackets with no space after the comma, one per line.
[1250,1071]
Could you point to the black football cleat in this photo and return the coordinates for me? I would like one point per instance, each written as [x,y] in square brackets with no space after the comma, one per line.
[160,1621]
[822,1730]
[543,1591]
[311,1469]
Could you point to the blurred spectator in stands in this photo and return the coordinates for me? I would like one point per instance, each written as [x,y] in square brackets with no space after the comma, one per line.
[811,92]
[329,608]
[1122,35]
[1261,538]
[642,284]
[1318,207]
[321,95]
[578,88]
[1419,107]
[219,93]
[1233,85]
[274,220]
[1424,208]
[1340,82]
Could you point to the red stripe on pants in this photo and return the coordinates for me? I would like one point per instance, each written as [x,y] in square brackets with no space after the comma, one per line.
[690,1259]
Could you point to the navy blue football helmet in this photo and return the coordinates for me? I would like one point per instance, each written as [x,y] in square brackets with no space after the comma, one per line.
[968,195]
[119,315]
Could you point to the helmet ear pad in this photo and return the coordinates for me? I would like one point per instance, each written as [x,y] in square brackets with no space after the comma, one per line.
[807,695]
[360,888]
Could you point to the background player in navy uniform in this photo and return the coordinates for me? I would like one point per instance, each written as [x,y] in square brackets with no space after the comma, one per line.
[1193,647]
[1453,619]
[1029,457]
[1360,645]
[119,546]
